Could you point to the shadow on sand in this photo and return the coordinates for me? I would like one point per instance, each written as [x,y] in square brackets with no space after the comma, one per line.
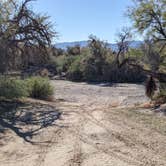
[26,120]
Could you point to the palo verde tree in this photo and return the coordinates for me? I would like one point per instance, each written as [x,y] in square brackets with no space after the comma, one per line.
[21,28]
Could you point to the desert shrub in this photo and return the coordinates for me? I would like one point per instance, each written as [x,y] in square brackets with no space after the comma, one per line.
[161,96]
[63,63]
[93,68]
[90,73]
[39,88]
[60,63]
[129,74]
[96,63]
[75,71]
[125,74]
[11,88]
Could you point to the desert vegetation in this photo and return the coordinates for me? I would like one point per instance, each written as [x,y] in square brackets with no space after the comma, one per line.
[26,43]
[110,98]
[34,87]
[97,62]
[25,38]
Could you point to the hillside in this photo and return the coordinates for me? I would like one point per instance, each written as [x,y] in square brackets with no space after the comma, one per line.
[113,46]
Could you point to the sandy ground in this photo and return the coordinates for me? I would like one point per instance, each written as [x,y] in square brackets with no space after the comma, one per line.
[100,125]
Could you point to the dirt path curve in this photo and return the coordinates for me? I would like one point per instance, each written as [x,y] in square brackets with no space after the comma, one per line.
[100,126]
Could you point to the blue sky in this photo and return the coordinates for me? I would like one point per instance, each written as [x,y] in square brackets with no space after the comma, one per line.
[75,20]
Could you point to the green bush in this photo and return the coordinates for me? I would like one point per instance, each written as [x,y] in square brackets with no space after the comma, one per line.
[64,62]
[92,69]
[39,88]
[125,74]
[90,73]
[74,72]
[12,88]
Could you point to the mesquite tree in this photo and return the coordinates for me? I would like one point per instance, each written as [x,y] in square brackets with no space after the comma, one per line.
[22,29]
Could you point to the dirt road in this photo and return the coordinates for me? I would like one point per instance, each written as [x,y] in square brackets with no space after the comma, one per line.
[100,125]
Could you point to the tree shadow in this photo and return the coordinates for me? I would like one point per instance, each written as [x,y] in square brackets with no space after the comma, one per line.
[26,120]
[113,84]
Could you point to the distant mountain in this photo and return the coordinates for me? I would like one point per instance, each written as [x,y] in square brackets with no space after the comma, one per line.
[114,47]
[71,44]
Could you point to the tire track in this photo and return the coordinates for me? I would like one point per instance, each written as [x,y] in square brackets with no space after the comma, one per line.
[86,116]
[81,137]
[54,138]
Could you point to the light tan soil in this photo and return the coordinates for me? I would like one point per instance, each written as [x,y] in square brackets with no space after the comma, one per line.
[101,125]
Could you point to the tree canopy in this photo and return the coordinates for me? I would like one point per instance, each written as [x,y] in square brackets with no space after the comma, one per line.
[20,28]
[149,17]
